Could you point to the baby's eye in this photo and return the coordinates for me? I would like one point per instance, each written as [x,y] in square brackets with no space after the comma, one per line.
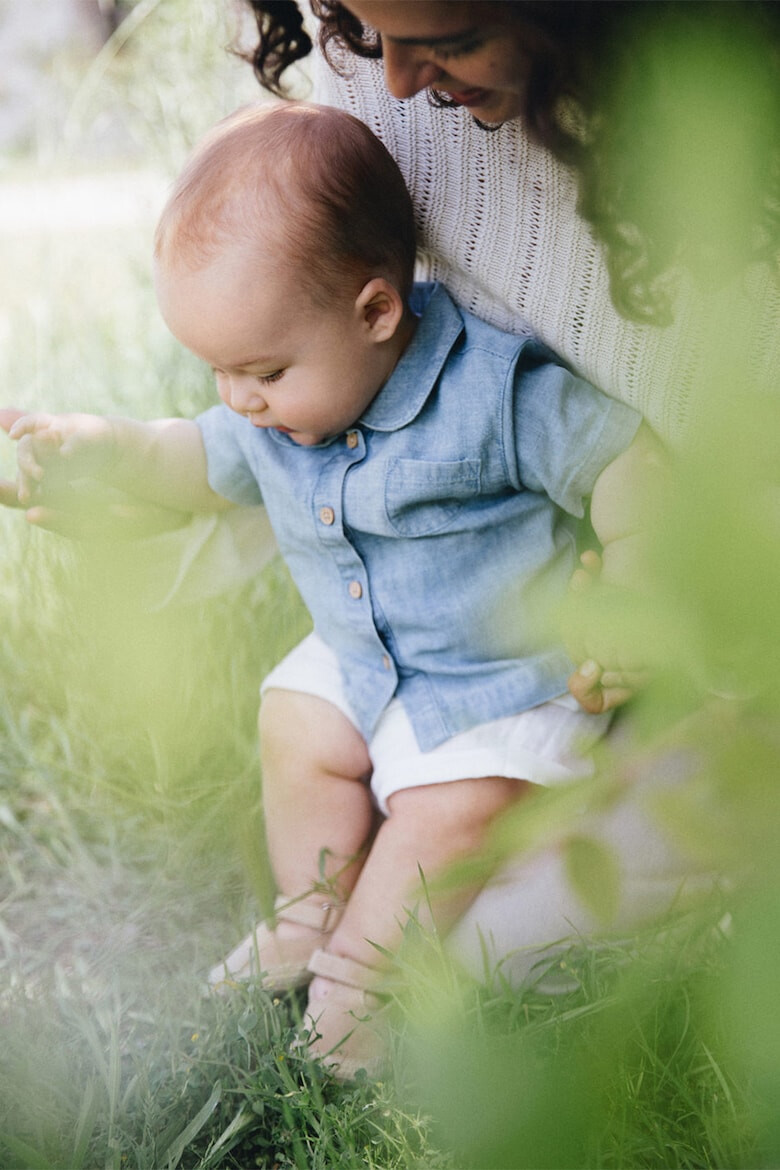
[274,377]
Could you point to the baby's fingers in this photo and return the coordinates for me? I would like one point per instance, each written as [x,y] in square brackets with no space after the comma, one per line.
[8,416]
[29,424]
[30,470]
[9,494]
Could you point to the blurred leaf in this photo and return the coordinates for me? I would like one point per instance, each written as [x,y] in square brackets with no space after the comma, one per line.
[25,1156]
[504,1103]
[752,1013]
[594,873]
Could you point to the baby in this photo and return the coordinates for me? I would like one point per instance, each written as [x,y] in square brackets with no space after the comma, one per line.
[423,473]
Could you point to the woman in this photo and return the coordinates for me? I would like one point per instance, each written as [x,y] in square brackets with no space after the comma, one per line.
[585,80]
[608,174]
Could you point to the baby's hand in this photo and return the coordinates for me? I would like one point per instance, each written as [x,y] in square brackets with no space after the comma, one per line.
[68,450]
[9,492]
[55,449]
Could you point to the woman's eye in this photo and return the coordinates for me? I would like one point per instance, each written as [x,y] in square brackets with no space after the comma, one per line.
[274,377]
[462,49]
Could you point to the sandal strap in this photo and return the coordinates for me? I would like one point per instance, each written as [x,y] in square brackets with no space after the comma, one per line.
[348,972]
[322,917]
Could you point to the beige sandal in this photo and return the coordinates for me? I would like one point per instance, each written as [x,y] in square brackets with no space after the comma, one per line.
[281,964]
[348,1027]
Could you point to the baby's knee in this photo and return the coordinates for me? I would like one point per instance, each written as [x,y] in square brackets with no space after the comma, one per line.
[278,721]
[309,732]
[459,809]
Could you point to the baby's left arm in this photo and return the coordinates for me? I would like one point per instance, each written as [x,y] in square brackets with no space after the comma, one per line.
[626,501]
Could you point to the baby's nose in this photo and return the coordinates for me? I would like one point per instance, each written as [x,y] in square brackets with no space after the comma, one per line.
[245,394]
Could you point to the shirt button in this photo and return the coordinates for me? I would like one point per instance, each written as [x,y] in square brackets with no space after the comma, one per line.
[327,515]
[355,589]
[386,661]
[352,440]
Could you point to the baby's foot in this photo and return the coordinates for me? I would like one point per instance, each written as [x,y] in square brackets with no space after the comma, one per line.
[346,1019]
[278,953]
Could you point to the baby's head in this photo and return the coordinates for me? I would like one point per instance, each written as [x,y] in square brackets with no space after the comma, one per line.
[310,185]
[284,258]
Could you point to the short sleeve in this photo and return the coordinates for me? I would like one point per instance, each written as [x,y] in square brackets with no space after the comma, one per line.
[229,471]
[564,430]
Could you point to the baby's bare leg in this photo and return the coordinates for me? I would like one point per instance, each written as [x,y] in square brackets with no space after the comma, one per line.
[317,804]
[428,829]
[319,819]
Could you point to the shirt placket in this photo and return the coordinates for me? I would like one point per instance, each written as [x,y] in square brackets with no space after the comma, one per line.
[378,678]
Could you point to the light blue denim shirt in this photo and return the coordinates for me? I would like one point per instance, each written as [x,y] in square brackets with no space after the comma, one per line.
[424,539]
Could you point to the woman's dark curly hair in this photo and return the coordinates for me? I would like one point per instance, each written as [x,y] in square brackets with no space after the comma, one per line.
[636,75]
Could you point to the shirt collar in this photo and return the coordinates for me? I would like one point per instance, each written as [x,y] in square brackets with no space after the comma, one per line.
[404,393]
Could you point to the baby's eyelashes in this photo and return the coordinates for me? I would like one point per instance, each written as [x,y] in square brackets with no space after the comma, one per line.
[461,49]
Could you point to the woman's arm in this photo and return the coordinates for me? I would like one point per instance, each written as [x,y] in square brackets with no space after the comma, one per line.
[609,590]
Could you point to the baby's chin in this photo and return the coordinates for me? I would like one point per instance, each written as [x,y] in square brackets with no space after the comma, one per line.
[303,440]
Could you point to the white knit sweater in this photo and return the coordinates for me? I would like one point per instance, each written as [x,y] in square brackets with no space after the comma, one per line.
[497,223]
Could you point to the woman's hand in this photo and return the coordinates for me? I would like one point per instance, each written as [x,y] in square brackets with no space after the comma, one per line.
[609,612]
[606,678]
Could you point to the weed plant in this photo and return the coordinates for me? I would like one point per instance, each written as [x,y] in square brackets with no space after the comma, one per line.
[130,815]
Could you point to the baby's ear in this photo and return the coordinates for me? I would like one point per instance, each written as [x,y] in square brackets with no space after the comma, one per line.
[380,307]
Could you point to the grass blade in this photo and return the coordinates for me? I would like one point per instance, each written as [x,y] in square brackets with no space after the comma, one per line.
[172,1155]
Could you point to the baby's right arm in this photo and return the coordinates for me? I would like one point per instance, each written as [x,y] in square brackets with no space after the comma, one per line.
[162,462]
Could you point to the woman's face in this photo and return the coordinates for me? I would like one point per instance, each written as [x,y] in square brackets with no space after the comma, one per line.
[468,51]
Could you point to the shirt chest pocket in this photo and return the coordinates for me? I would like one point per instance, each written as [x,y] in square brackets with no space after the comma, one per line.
[423,497]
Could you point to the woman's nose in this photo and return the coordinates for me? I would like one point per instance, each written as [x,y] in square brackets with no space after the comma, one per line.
[407,71]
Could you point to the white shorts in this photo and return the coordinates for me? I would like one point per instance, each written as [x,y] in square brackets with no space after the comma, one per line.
[549,744]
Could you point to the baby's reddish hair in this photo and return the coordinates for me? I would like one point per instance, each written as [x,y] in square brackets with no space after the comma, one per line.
[309,181]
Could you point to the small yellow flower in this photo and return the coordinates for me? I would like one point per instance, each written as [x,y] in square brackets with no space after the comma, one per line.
[195,1036]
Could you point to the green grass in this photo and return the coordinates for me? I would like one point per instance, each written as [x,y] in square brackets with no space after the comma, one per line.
[130,819]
